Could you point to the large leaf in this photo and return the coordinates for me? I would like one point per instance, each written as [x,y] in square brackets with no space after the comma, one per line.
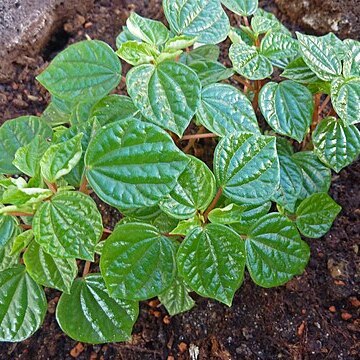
[17,133]
[241,7]
[298,71]
[316,176]
[320,56]
[287,107]
[212,262]
[68,226]
[48,270]
[336,144]
[315,215]
[193,192]
[89,314]
[351,66]
[246,166]
[137,262]
[22,305]
[345,97]
[224,109]
[275,251]
[133,164]
[202,18]
[87,69]
[166,94]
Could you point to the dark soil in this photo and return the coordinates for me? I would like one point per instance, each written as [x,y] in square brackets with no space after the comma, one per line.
[315,316]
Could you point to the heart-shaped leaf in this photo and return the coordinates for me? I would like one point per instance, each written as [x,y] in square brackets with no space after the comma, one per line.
[227,215]
[351,66]
[264,21]
[136,53]
[298,71]
[241,7]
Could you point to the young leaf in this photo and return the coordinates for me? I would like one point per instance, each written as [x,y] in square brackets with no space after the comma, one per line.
[246,166]
[176,298]
[166,94]
[287,107]
[224,109]
[316,176]
[60,159]
[68,226]
[136,53]
[242,35]
[345,97]
[85,70]
[241,7]
[151,31]
[298,71]
[8,226]
[212,262]
[264,21]
[210,72]
[249,62]
[28,196]
[322,58]
[230,214]
[202,18]
[48,270]
[179,42]
[7,259]
[185,226]
[137,262]
[207,52]
[125,35]
[133,164]
[315,215]
[80,113]
[274,251]
[17,133]
[89,314]
[21,241]
[336,144]
[22,305]
[193,192]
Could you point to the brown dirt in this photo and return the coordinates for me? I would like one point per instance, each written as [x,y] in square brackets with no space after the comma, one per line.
[309,318]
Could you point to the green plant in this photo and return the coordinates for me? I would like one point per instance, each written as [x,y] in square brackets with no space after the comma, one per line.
[183,228]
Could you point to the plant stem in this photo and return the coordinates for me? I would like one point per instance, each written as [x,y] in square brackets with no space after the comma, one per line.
[192,141]
[244,82]
[86,268]
[198,136]
[246,21]
[213,203]
[107,231]
[51,186]
[25,226]
[83,186]
[315,119]
[255,102]
[19,213]
[323,105]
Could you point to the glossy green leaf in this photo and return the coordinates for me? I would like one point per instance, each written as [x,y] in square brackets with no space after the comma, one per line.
[246,166]
[17,133]
[133,164]
[316,176]
[315,215]
[193,192]
[80,114]
[210,72]
[298,71]
[176,298]
[22,305]
[90,315]
[336,144]
[53,115]
[179,42]
[85,70]
[224,109]
[212,262]
[8,232]
[8,227]
[248,62]
[125,35]
[60,159]
[202,18]
[68,226]
[242,35]
[345,97]
[168,56]
[320,56]
[151,31]
[49,271]
[136,53]
[137,262]
[229,214]
[241,7]
[185,226]
[264,21]
[287,107]
[21,241]
[351,66]
[209,52]
[274,251]
[7,259]
[28,196]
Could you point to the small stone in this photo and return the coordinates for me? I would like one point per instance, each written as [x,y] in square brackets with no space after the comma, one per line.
[346,316]
[355,301]
[87,25]
[182,347]
[77,350]
[332,309]
[301,329]
[166,320]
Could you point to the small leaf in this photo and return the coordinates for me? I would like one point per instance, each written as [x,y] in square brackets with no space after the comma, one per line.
[8,226]
[274,251]
[230,214]
[176,298]
[125,35]
[287,107]
[136,53]
[8,232]
[315,215]
[210,72]
[336,144]
[17,133]
[224,109]
[193,192]
[298,71]
[207,52]
[166,94]
[60,159]
[80,114]
[202,18]
[242,35]
[241,7]
[133,164]
[137,262]
[246,166]
[88,314]
[48,270]
[85,70]
[151,31]
[345,97]
[25,196]
[179,42]
[212,262]
[351,66]
[68,226]
[264,21]
[22,305]
[21,241]
[185,226]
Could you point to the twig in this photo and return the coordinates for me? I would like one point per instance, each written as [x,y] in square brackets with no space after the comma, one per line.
[107,231]
[86,268]
[198,136]
[213,203]
[323,105]
[19,213]
[243,82]
[192,142]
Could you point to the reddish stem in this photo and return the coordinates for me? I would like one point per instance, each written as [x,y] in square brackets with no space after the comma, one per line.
[25,226]
[323,105]
[19,213]
[198,136]
[51,186]
[213,203]
[315,119]
[86,268]
[107,231]
[246,21]
[83,186]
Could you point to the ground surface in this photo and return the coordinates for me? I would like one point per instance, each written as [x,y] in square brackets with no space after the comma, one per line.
[315,316]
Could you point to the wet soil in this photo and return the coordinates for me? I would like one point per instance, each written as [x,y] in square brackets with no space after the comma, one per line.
[314,316]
